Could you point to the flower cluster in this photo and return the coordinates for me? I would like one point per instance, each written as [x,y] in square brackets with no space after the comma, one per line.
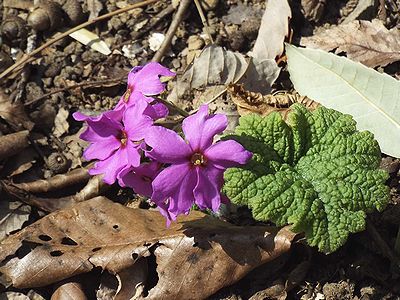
[155,161]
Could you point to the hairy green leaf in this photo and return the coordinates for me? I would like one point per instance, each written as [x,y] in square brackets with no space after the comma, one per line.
[315,171]
[370,97]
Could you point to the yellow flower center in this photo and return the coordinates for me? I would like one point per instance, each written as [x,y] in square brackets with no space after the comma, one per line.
[198,159]
[123,138]
[128,94]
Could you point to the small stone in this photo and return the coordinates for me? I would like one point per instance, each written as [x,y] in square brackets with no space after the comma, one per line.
[195,42]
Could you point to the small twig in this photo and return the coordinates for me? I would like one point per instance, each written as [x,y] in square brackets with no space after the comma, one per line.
[78,85]
[58,37]
[382,15]
[204,21]
[153,22]
[178,17]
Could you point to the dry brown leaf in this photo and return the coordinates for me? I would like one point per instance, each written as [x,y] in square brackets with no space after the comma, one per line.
[273,30]
[370,43]
[70,290]
[313,9]
[193,256]
[14,113]
[217,67]
[13,214]
[61,124]
[13,143]
[249,102]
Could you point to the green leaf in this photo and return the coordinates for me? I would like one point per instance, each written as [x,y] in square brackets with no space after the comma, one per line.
[372,98]
[316,172]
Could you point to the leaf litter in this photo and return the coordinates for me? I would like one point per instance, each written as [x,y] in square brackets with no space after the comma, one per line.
[69,65]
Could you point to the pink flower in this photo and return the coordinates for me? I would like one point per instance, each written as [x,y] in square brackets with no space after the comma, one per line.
[140,178]
[195,175]
[143,82]
[116,143]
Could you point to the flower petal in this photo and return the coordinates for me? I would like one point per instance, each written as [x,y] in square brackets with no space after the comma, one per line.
[169,181]
[139,178]
[136,123]
[227,154]
[111,166]
[147,80]
[156,111]
[168,146]
[102,149]
[207,191]
[200,128]
[101,125]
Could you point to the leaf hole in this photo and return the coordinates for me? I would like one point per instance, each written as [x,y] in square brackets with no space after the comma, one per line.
[68,241]
[115,226]
[146,244]
[26,248]
[96,249]
[45,237]
[135,255]
[56,253]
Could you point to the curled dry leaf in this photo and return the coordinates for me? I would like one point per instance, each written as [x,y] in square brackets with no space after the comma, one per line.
[69,290]
[193,256]
[273,30]
[13,143]
[249,102]
[217,67]
[370,43]
[57,182]
[14,113]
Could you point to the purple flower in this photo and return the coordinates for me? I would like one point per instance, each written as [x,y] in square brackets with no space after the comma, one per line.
[140,178]
[117,144]
[143,82]
[195,175]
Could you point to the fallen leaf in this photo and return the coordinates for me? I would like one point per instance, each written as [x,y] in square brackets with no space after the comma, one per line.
[193,256]
[337,82]
[61,125]
[367,42]
[132,281]
[13,143]
[13,214]
[219,67]
[273,30]
[250,102]
[313,9]
[91,39]
[14,113]
[241,13]
[69,290]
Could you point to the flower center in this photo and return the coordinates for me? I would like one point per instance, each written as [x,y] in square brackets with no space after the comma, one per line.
[123,138]
[128,94]
[198,159]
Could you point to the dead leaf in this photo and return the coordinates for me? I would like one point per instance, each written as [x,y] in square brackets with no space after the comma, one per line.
[273,30]
[13,296]
[61,125]
[69,290]
[14,113]
[57,182]
[249,102]
[217,67]
[91,39]
[313,9]
[13,214]
[241,13]
[132,281]
[193,256]
[13,143]
[367,42]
